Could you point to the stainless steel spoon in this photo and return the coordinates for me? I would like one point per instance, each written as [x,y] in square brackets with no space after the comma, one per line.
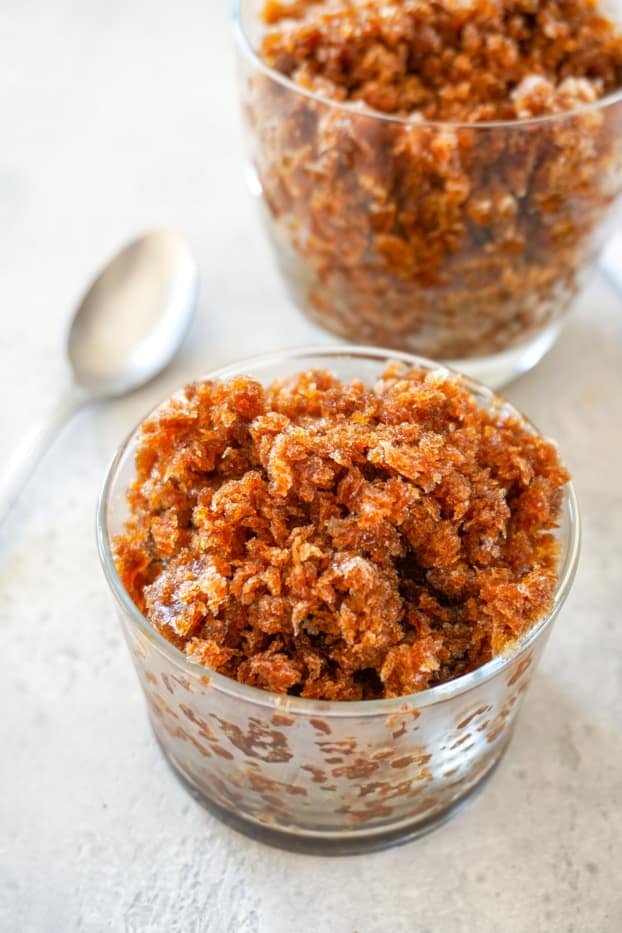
[127,328]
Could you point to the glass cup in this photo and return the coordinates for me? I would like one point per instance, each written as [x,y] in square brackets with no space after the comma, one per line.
[320,776]
[462,242]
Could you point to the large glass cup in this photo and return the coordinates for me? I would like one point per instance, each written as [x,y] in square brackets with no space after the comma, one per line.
[461,242]
[334,777]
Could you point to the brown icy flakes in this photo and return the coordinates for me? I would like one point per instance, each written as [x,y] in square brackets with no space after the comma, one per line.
[409,668]
[413,541]
[405,230]
[336,688]
[370,606]
[269,670]
[210,653]
[510,603]
[184,593]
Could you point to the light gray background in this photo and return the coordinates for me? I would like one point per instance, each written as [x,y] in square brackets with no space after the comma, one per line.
[119,114]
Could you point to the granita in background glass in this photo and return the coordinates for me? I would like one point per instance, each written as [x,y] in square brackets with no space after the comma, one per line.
[444,182]
[320,775]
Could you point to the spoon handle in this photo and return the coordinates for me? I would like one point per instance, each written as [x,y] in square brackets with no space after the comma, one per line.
[33,445]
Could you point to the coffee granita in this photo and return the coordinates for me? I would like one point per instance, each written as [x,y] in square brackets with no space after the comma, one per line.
[329,540]
[400,219]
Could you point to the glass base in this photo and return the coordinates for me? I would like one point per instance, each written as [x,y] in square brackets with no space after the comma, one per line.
[347,843]
[499,369]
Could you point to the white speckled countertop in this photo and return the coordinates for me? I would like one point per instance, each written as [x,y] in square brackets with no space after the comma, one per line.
[116,115]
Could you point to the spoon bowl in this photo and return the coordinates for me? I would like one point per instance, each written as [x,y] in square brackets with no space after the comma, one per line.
[132,319]
[126,329]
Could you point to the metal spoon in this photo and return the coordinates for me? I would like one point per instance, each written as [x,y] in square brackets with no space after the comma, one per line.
[127,328]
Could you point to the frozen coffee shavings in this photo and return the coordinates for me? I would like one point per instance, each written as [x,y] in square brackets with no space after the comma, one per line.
[332,541]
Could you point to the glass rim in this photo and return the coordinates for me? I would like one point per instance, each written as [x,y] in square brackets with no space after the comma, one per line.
[364,110]
[337,708]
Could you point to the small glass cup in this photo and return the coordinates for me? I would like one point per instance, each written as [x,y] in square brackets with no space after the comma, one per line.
[320,776]
[465,243]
